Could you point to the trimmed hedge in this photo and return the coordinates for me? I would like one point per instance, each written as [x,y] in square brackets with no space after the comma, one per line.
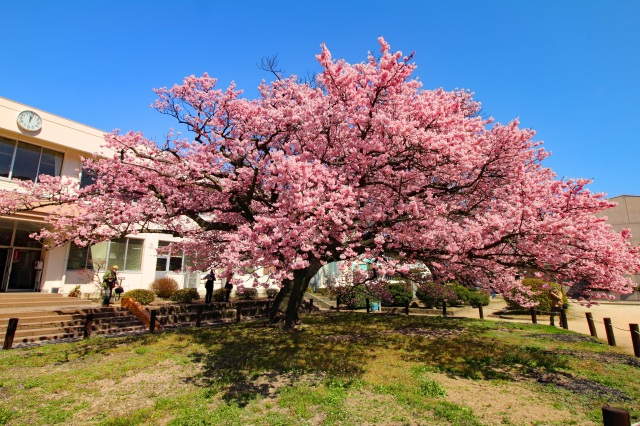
[401,293]
[248,293]
[324,291]
[164,287]
[542,296]
[185,295]
[219,295]
[432,295]
[272,293]
[144,297]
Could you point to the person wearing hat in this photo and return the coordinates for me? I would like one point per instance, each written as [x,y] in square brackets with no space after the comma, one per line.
[108,283]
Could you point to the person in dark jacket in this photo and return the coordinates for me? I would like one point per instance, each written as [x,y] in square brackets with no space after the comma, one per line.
[109,280]
[208,286]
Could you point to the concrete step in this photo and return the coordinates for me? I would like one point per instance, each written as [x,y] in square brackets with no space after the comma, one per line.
[68,322]
[42,316]
[321,302]
[30,295]
[18,341]
[49,328]
[48,304]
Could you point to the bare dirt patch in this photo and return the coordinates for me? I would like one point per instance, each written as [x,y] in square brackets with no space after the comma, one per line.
[407,331]
[503,402]
[135,390]
[566,338]
[604,357]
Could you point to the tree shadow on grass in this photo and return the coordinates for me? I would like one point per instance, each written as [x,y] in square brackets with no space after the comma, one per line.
[251,360]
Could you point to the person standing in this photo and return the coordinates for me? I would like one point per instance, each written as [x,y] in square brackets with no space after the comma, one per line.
[208,286]
[557,304]
[109,280]
[228,287]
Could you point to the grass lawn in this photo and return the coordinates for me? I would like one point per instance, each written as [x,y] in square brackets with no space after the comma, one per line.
[335,369]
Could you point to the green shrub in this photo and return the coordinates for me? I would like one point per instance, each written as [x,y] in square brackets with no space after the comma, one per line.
[272,293]
[164,287]
[324,291]
[541,295]
[248,293]
[462,294]
[219,295]
[144,297]
[185,295]
[401,294]
[432,295]
[478,297]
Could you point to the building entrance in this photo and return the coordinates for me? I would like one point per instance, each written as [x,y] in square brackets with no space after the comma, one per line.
[19,269]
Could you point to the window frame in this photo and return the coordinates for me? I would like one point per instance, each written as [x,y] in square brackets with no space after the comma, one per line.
[16,143]
[167,258]
[108,252]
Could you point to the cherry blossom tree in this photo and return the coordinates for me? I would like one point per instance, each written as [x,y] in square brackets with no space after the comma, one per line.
[364,163]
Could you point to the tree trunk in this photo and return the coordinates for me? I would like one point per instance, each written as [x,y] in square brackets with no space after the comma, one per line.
[290,297]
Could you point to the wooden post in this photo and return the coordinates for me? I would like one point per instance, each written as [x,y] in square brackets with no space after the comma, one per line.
[199,316]
[368,305]
[238,313]
[444,309]
[337,303]
[592,324]
[615,417]
[635,338]
[152,321]
[10,334]
[88,323]
[609,328]
[534,318]
[406,308]
[310,304]
[563,319]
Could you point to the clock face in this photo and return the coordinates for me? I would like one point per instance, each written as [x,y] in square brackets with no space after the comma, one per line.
[29,120]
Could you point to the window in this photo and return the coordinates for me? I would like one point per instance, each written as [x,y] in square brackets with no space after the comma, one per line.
[170,261]
[6,233]
[23,230]
[24,161]
[16,233]
[88,177]
[124,252]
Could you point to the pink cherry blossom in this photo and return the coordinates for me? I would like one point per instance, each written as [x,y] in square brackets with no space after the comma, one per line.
[363,164]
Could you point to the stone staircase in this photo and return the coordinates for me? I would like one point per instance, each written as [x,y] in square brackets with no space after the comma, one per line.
[38,300]
[320,301]
[40,326]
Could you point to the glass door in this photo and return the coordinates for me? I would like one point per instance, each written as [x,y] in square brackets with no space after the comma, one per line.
[22,272]
[4,268]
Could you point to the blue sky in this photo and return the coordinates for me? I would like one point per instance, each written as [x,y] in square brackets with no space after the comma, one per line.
[568,69]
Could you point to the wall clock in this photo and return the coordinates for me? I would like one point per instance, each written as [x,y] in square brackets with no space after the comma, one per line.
[29,121]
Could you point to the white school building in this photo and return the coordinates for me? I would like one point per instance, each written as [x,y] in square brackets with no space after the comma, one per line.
[35,142]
